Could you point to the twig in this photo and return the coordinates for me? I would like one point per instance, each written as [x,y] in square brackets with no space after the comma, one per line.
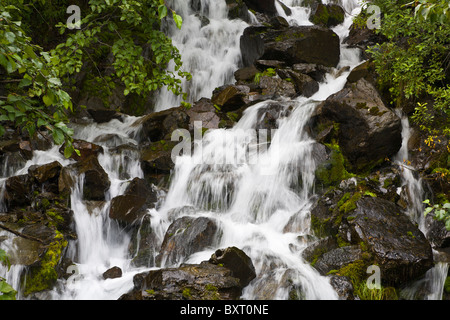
[17,233]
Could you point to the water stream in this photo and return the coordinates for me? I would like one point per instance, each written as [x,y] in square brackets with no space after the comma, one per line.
[256,198]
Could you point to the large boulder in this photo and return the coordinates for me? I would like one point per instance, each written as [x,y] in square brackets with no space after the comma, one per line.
[204,281]
[302,44]
[184,237]
[368,130]
[398,246]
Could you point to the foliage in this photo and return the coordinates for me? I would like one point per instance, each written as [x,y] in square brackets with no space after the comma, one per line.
[441,212]
[433,10]
[35,96]
[6,291]
[119,43]
[123,42]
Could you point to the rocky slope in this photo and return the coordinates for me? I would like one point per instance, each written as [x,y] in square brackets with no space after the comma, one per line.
[358,218]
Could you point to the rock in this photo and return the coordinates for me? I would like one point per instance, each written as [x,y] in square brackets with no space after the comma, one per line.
[398,246]
[343,286]
[237,261]
[86,149]
[144,245]
[160,125]
[103,115]
[45,172]
[246,74]
[157,157]
[304,84]
[237,9]
[231,97]
[274,86]
[315,71]
[18,191]
[302,44]
[140,188]
[204,111]
[112,273]
[337,258]
[368,131]
[184,237]
[204,281]
[327,15]
[263,6]
[96,181]
[436,232]
[127,208]
[270,114]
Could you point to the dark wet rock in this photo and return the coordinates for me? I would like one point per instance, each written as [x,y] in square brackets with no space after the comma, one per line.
[185,236]
[103,115]
[337,258]
[96,181]
[369,131]
[237,9]
[85,148]
[343,286]
[112,273]
[156,157]
[144,244]
[237,261]
[204,281]
[45,172]
[231,97]
[160,125]
[304,84]
[127,208]
[437,234]
[327,15]
[303,44]
[18,191]
[205,112]
[263,6]
[399,247]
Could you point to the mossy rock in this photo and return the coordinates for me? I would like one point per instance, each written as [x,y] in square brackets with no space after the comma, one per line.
[328,15]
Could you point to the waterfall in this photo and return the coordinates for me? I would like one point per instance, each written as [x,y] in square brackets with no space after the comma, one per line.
[258,191]
[433,281]
[209,46]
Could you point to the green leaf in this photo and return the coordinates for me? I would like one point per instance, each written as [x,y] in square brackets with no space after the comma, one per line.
[428,210]
[178,20]
[162,11]
[68,150]
[48,100]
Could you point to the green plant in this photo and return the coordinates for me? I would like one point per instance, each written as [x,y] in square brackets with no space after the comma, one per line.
[34,96]
[123,29]
[269,72]
[7,292]
[441,212]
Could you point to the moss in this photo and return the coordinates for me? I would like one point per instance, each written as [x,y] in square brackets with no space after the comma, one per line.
[44,276]
[333,171]
[187,293]
[211,292]
[447,285]
[319,227]
[350,203]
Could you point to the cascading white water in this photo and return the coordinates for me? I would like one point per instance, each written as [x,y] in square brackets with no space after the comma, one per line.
[209,46]
[256,198]
[263,191]
[434,279]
